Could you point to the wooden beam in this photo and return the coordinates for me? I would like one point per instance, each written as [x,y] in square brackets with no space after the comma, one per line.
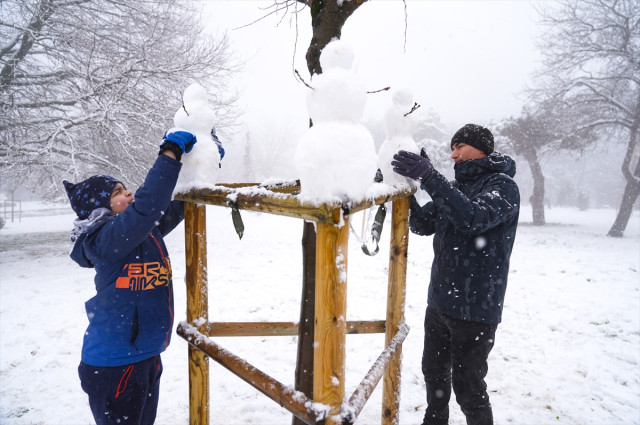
[330,322]
[365,389]
[233,329]
[395,307]
[264,201]
[282,201]
[295,402]
[195,228]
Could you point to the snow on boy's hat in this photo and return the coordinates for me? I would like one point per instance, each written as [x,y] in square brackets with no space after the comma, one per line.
[94,192]
[474,135]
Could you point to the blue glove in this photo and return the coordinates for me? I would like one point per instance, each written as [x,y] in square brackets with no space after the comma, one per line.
[414,166]
[180,137]
[218,143]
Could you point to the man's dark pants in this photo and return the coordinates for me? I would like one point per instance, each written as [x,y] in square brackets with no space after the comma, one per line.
[455,352]
[123,394]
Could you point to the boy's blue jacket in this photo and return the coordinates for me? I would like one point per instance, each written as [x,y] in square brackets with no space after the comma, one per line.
[131,316]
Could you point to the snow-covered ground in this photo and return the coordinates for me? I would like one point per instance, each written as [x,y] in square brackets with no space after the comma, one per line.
[567,350]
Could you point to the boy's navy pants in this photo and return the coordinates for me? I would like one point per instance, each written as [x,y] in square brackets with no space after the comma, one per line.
[455,353]
[123,395]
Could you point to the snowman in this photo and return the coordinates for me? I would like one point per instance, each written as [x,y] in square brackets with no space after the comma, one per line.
[336,157]
[399,127]
[200,166]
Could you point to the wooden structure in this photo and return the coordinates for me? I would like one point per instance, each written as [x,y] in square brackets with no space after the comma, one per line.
[330,307]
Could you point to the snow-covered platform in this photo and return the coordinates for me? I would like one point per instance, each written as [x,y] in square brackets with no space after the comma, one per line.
[285,199]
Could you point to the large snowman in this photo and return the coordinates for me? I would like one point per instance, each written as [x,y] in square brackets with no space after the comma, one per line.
[200,166]
[336,157]
[399,127]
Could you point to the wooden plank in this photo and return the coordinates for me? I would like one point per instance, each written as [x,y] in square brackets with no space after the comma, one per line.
[330,322]
[395,307]
[268,202]
[285,397]
[240,329]
[195,227]
[400,193]
[281,201]
[362,393]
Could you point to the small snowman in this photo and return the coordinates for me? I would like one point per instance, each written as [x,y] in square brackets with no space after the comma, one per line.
[336,157]
[399,126]
[199,167]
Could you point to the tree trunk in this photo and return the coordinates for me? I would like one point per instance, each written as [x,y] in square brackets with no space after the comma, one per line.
[537,198]
[632,190]
[327,19]
[304,363]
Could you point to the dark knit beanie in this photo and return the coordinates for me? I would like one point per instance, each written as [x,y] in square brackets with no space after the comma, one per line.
[94,192]
[476,136]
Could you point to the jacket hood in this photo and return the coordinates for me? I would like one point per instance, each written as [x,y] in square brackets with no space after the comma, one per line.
[496,162]
[77,252]
[83,229]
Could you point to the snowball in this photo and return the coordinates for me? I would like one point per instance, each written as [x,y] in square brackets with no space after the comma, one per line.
[403,97]
[200,166]
[336,54]
[399,130]
[335,159]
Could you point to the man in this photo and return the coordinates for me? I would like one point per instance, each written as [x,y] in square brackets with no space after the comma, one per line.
[474,219]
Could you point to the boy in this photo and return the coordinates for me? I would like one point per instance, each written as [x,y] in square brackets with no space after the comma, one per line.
[131,316]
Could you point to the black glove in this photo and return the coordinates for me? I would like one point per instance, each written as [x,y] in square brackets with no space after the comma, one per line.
[414,166]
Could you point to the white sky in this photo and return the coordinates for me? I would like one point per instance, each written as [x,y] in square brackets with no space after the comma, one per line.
[467,60]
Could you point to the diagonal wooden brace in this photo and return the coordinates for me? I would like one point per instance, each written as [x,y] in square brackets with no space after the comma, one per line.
[294,401]
[353,407]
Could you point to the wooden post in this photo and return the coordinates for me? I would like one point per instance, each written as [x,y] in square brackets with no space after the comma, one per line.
[331,316]
[195,227]
[395,307]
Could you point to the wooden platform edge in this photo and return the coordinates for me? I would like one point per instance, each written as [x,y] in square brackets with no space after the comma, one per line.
[239,329]
[295,402]
[282,201]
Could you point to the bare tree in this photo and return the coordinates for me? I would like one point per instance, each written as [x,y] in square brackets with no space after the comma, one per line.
[88,86]
[591,73]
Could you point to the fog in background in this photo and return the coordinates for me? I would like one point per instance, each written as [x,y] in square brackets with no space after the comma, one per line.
[466,62]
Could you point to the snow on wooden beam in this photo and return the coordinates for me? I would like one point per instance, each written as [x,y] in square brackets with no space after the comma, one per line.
[352,409]
[285,200]
[233,329]
[294,401]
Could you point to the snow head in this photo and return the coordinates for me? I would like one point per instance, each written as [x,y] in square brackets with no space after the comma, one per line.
[200,166]
[336,157]
[399,128]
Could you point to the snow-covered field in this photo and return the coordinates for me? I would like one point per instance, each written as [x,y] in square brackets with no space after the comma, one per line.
[567,351]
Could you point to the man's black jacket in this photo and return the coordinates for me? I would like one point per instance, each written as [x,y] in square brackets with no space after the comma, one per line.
[474,219]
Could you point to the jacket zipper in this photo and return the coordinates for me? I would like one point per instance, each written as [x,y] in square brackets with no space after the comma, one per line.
[164,260]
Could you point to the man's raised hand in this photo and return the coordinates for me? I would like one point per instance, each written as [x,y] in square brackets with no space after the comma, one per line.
[413,166]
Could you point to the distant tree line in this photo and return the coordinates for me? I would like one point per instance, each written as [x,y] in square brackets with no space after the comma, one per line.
[89,86]
[586,92]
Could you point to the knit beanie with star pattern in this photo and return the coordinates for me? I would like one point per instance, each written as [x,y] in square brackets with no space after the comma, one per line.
[94,192]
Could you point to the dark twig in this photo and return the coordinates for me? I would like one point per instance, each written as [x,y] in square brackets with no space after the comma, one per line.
[185,109]
[378,91]
[303,82]
[406,24]
[413,108]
